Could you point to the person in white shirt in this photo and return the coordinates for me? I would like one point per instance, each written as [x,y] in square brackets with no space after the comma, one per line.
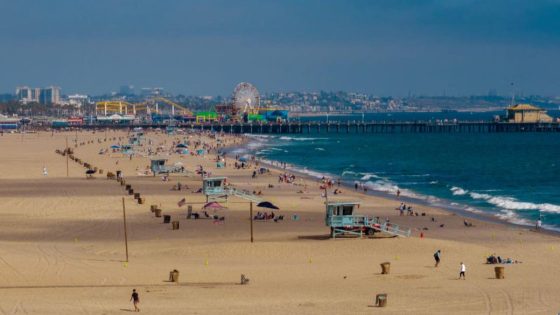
[462,271]
[539,224]
[45,172]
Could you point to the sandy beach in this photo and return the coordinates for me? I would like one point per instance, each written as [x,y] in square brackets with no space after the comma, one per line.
[62,247]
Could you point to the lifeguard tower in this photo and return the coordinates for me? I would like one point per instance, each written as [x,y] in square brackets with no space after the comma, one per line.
[157,165]
[136,138]
[127,149]
[170,130]
[341,218]
[214,187]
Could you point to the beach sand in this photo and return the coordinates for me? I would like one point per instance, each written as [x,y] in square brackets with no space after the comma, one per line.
[62,246]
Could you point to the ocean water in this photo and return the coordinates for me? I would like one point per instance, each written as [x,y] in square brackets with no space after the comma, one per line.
[513,176]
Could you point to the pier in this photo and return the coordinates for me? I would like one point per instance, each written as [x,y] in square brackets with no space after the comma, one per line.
[349,127]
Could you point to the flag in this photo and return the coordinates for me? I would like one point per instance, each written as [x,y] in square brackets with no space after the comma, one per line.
[181,202]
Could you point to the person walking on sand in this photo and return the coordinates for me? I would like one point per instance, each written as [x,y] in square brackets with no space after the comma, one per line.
[45,172]
[398,193]
[437,257]
[462,271]
[539,224]
[135,300]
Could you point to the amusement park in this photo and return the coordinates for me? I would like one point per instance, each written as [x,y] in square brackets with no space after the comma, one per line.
[243,106]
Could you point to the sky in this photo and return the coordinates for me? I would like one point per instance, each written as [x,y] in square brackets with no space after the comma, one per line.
[206,47]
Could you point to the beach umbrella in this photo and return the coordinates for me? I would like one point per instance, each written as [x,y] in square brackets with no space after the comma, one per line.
[180,145]
[242,159]
[89,172]
[178,164]
[267,204]
[214,206]
[114,146]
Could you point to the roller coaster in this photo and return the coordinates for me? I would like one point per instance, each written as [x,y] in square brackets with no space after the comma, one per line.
[149,106]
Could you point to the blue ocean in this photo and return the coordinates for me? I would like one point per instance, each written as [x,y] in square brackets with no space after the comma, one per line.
[512,176]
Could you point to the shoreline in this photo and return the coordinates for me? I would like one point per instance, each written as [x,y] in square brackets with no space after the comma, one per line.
[349,186]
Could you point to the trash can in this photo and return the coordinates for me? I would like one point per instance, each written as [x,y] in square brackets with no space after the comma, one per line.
[499,272]
[189,212]
[381,300]
[175,225]
[141,200]
[166,218]
[136,195]
[157,213]
[131,191]
[128,187]
[153,208]
[385,268]
[174,275]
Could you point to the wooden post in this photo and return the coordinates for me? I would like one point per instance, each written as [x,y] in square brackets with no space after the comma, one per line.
[125,234]
[251,218]
[67,153]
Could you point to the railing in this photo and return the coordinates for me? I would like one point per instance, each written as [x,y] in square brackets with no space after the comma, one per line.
[365,221]
[214,191]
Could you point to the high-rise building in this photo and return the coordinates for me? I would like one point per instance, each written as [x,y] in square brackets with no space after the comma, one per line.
[50,95]
[26,94]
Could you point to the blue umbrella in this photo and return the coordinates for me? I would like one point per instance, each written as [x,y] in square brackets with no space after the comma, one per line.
[180,145]
[242,159]
[114,146]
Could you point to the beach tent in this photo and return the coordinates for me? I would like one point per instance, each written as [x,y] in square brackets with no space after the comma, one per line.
[181,145]
[242,159]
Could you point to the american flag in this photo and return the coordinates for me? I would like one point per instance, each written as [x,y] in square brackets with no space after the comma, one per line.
[181,202]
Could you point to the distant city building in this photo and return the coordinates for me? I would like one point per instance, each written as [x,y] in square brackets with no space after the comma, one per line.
[151,91]
[26,94]
[126,90]
[49,95]
[77,100]
[526,113]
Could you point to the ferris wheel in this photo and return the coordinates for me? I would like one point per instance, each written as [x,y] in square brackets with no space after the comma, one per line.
[246,98]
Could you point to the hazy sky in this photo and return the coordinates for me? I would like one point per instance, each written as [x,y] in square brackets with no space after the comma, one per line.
[206,47]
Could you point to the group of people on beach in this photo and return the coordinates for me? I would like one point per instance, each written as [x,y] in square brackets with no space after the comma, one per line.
[286,178]
[402,208]
[495,259]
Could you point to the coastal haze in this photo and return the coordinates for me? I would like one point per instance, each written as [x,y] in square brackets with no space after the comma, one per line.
[273,157]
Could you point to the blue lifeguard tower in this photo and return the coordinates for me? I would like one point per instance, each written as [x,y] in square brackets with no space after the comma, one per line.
[342,219]
[214,187]
[127,149]
[157,165]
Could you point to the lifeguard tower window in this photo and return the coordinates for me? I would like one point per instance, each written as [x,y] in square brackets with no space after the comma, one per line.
[344,210]
[215,183]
